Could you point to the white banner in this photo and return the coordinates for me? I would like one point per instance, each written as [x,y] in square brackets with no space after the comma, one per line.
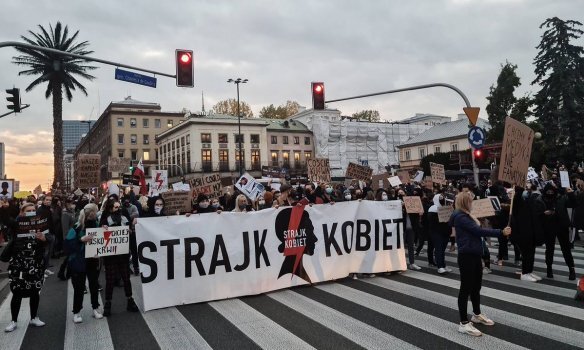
[114,241]
[209,257]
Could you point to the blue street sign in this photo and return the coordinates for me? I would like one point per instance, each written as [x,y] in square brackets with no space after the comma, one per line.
[476,137]
[135,78]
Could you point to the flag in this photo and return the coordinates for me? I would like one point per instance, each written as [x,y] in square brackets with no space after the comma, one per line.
[139,172]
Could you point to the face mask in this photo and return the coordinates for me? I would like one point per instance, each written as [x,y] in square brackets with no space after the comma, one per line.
[262,202]
[215,205]
[525,195]
[242,206]
[157,209]
[384,197]
[204,205]
[30,213]
[329,190]
[348,197]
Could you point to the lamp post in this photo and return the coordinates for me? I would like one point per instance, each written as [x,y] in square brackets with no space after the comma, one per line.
[237,82]
[88,122]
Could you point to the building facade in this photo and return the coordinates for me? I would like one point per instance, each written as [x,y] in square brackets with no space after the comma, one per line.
[128,129]
[290,145]
[73,132]
[2,160]
[441,138]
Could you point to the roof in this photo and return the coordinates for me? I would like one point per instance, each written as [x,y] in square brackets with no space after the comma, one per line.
[128,101]
[286,125]
[445,131]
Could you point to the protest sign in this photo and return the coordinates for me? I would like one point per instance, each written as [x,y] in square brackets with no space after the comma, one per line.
[209,185]
[180,201]
[251,188]
[531,174]
[113,241]
[275,172]
[159,181]
[428,183]
[379,181]
[87,168]
[565,179]
[413,205]
[437,172]
[179,186]
[358,172]
[516,151]
[317,249]
[495,202]
[404,176]
[6,189]
[394,181]
[419,176]
[482,208]
[38,190]
[118,165]
[113,189]
[319,170]
[32,224]
[444,213]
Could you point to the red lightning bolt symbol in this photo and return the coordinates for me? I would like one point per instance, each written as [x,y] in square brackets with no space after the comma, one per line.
[295,218]
[159,180]
[106,236]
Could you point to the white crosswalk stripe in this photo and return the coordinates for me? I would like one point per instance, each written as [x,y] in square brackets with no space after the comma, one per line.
[356,312]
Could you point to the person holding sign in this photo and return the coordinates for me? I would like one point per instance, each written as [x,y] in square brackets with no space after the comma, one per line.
[81,268]
[26,266]
[439,231]
[470,249]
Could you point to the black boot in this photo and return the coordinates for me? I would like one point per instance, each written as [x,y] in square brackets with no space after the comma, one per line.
[132,305]
[550,273]
[572,274]
[107,308]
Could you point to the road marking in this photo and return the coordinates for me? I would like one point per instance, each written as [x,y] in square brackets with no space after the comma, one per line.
[14,339]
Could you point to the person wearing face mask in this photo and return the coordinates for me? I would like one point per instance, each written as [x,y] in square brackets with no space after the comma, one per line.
[116,264]
[215,205]
[203,205]
[156,208]
[439,233]
[381,195]
[556,225]
[409,234]
[45,211]
[241,204]
[131,212]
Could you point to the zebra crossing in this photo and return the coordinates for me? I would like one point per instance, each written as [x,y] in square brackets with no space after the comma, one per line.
[410,310]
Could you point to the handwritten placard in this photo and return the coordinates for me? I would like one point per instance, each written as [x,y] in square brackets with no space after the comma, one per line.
[358,172]
[404,176]
[209,185]
[565,179]
[319,170]
[87,169]
[516,152]
[113,241]
[413,205]
[118,165]
[437,172]
[482,208]
[444,213]
[394,181]
[180,201]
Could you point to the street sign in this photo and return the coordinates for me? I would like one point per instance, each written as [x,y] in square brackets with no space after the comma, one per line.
[135,78]
[476,137]
[472,113]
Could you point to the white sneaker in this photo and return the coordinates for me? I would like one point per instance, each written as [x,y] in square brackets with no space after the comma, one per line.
[528,277]
[415,267]
[49,272]
[11,327]
[371,275]
[486,271]
[468,328]
[448,269]
[482,319]
[536,276]
[355,276]
[36,322]
[77,318]
[97,314]
[442,270]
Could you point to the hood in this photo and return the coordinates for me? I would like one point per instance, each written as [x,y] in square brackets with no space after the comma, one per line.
[436,201]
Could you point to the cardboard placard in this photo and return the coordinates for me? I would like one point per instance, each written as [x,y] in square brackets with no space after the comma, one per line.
[180,201]
[206,184]
[358,172]
[118,165]
[379,181]
[319,170]
[482,208]
[413,205]
[564,179]
[113,241]
[404,176]
[437,172]
[444,213]
[179,186]
[87,169]
[394,181]
[516,151]
[428,183]
[251,188]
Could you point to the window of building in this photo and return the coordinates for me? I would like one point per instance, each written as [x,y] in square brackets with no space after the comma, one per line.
[188,139]
[422,152]
[254,138]
[238,138]
[296,158]
[206,138]
[307,154]
[296,140]
[134,154]
[285,140]
[121,153]
[206,156]
[146,139]
[237,154]
[307,140]
[223,138]
[182,141]
[133,122]
[274,140]
[146,155]
[173,145]
[120,139]
[223,160]
[408,154]
[274,155]
[255,159]
[454,147]
[286,158]
[121,122]
[156,154]
[145,122]
[133,139]
[157,123]
[169,123]
[436,149]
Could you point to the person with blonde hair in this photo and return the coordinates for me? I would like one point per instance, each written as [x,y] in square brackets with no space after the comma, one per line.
[241,204]
[470,250]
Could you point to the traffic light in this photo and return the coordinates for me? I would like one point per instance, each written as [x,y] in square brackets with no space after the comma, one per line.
[480,156]
[14,98]
[131,170]
[318,96]
[185,76]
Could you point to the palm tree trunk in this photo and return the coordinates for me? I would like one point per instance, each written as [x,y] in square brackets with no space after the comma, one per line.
[58,179]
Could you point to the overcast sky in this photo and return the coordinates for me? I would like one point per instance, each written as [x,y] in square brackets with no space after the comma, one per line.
[355,47]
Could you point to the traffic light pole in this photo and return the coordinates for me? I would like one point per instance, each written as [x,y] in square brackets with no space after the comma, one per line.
[420,87]
[9,113]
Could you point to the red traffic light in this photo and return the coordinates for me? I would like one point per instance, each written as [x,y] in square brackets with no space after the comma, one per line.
[185,57]
[318,95]
[478,153]
[318,88]
[185,76]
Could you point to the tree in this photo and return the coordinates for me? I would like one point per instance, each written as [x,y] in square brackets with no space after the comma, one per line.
[280,112]
[369,115]
[559,105]
[229,107]
[58,72]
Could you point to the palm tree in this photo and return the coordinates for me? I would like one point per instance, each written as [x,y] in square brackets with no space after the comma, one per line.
[59,72]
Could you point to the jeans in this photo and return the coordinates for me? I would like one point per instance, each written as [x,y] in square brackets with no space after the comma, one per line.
[440,243]
[91,274]
[471,277]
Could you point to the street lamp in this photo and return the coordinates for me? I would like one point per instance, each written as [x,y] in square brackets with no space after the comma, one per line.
[88,122]
[237,82]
